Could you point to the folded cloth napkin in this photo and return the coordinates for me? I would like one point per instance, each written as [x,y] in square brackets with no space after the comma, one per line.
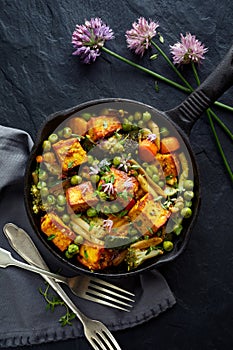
[24,319]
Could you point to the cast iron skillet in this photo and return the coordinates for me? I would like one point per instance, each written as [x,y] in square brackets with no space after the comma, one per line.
[181,119]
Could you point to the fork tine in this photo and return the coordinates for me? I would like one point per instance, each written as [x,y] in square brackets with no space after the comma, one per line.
[108,297]
[101,301]
[103,340]
[105,333]
[93,343]
[110,285]
[93,287]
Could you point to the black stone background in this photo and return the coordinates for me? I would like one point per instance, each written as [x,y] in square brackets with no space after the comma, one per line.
[39,76]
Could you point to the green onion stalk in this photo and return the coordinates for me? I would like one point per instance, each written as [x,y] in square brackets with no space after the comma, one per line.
[188,89]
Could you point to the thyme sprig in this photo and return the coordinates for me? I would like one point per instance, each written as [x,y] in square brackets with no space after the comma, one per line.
[54,301]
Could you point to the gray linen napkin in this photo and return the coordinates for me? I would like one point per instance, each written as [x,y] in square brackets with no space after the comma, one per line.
[24,319]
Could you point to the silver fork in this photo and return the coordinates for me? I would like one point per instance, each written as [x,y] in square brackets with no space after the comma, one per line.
[96,332]
[86,287]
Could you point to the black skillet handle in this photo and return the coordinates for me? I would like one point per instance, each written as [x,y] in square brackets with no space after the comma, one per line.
[221,79]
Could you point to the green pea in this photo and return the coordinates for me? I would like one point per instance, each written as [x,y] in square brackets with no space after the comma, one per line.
[118,148]
[161,184]
[140,123]
[75,180]
[179,204]
[66,218]
[61,199]
[67,132]
[94,178]
[90,159]
[73,249]
[146,116]
[41,184]
[130,118]
[155,178]
[188,195]
[51,199]
[44,192]
[167,245]
[154,169]
[117,161]
[145,165]
[186,212]
[188,203]
[164,131]
[91,212]
[188,184]
[177,229]
[43,175]
[103,196]
[78,239]
[149,171]
[60,133]
[53,138]
[46,145]
[137,115]
[68,255]
[126,127]
[60,208]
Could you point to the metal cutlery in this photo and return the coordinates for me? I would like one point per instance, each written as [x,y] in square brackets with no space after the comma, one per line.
[96,332]
[86,287]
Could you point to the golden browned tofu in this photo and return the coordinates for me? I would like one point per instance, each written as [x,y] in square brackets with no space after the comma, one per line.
[69,153]
[102,126]
[125,187]
[81,197]
[148,216]
[123,182]
[52,225]
[167,162]
[95,257]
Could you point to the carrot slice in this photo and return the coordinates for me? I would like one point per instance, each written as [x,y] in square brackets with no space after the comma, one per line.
[169,144]
[39,159]
[147,150]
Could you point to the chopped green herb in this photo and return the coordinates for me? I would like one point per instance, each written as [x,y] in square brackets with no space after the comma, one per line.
[85,254]
[70,164]
[51,237]
[154,57]
[52,302]
[123,213]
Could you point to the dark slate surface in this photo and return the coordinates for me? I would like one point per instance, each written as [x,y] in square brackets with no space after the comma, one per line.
[40,76]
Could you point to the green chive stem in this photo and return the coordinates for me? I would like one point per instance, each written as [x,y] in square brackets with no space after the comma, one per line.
[146,70]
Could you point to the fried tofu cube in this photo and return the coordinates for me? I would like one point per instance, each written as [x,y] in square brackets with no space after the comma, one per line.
[95,257]
[81,197]
[169,167]
[148,216]
[69,153]
[102,126]
[52,225]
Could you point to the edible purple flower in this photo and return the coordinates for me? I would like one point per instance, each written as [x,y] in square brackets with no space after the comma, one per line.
[108,188]
[94,170]
[128,183]
[124,163]
[139,37]
[151,137]
[188,50]
[88,39]
[108,224]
